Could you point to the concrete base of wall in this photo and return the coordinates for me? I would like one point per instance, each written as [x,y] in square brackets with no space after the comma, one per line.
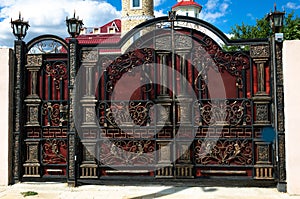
[6,63]
[291,72]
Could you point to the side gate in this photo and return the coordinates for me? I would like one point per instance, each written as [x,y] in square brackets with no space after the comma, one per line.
[41,145]
[181,101]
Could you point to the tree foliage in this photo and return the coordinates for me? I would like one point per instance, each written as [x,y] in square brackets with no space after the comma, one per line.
[262,29]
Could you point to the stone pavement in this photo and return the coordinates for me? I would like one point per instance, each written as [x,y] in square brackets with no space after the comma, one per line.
[61,190]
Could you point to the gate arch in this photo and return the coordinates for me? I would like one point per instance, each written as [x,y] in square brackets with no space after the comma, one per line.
[44,38]
[198,24]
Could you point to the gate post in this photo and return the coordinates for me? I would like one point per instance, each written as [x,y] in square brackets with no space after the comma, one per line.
[88,127]
[264,169]
[18,122]
[72,134]
[279,113]
[32,101]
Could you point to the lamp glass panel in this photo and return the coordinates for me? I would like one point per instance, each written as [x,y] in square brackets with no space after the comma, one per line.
[73,28]
[19,29]
[277,20]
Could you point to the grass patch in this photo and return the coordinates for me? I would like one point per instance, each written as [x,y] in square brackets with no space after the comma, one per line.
[29,193]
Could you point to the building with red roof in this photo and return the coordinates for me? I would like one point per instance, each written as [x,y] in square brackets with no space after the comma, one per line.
[187,8]
[111,32]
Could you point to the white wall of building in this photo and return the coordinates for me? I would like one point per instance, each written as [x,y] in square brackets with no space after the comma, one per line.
[291,72]
[190,11]
[5,159]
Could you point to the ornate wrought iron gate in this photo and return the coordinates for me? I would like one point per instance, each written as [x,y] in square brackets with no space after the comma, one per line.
[175,104]
[44,143]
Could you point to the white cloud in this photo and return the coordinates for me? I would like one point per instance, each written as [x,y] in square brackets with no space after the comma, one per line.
[211,4]
[229,35]
[159,13]
[292,5]
[158,2]
[214,10]
[251,16]
[4,3]
[224,7]
[48,16]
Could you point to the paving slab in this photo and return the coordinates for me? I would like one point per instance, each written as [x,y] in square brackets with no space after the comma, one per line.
[62,191]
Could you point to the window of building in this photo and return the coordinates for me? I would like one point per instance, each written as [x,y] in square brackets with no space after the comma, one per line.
[111,30]
[96,31]
[136,4]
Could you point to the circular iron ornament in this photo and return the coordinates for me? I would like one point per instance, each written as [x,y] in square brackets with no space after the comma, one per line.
[220,93]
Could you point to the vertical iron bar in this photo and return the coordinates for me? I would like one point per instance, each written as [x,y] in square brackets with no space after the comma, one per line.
[61,89]
[72,155]
[43,94]
[49,87]
[155,76]
[244,76]
[173,96]
[105,96]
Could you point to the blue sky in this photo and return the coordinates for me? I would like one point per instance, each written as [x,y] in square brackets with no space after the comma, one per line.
[48,16]
[238,11]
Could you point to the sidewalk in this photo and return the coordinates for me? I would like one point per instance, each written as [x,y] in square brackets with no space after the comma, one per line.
[61,190]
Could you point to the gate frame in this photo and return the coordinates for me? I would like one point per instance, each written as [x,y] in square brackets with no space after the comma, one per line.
[260,48]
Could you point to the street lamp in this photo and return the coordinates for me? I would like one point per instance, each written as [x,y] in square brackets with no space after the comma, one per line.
[19,27]
[74,26]
[276,20]
[276,23]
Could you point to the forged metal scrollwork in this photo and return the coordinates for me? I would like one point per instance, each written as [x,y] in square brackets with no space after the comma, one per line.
[182,42]
[259,51]
[55,114]
[263,152]
[262,113]
[125,113]
[54,151]
[90,56]
[34,61]
[224,112]
[203,62]
[234,63]
[58,71]
[47,47]
[126,63]
[127,152]
[210,56]
[223,152]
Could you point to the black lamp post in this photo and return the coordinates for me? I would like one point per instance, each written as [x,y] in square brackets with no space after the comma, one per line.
[19,27]
[276,20]
[74,26]
[276,23]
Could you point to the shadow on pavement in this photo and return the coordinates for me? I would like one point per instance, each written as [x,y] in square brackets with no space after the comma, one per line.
[169,191]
